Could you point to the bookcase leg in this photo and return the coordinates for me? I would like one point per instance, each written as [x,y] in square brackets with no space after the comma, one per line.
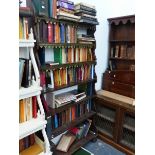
[40,106]
[47,144]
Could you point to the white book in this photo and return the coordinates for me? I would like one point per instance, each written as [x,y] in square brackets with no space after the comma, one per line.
[52,79]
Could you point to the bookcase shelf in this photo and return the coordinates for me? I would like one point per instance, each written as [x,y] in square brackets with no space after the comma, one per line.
[48,67]
[60,109]
[28,92]
[26,43]
[122,41]
[71,124]
[65,86]
[77,144]
[65,45]
[121,59]
[75,23]
[31,126]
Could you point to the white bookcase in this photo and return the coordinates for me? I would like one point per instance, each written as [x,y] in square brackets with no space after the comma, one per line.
[39,123]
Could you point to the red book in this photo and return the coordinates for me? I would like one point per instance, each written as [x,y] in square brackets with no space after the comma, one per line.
[45,106]
[34,106]
[74,130]
[42,79]
[32,139]
[50,32]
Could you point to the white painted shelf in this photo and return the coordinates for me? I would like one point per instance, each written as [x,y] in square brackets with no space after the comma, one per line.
[32,126]
[26,43]
[34,90]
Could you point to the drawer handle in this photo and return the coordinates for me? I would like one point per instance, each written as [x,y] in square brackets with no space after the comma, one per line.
[113,82]
[114,75]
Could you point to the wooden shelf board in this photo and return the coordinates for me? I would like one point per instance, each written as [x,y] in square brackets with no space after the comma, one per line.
[62,108]
[122,40]
[77,144]
[29,92]
[41,44]
[48,67]
[59,130]
[106,117]
[75,23]
[65,86]
[121,59]
[31,126]
[126,126]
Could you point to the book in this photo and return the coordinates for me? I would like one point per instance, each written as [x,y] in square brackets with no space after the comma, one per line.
[50,8]
[28,105]
[45,105]
[58,55]
[56,121]
[123,51]
[117,51]
[65,142]
[21,145]
[45,32]
[48,126]
[21,70]
[50,33]
[51,63]
[62,4]
[41,54]
[34,106]
[25,79]
[21,33]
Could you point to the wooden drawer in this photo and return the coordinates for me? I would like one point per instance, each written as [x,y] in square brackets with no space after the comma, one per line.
[119,88]
[127,77]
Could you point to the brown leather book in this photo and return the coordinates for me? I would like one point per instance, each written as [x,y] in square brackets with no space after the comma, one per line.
[65,142]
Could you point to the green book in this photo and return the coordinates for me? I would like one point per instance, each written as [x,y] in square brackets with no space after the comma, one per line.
[58,55]
[82,151]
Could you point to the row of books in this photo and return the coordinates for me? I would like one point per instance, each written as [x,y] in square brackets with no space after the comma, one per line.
[65,76]
[23,28]
[70,114]
[123,51]
[86,12]
[31,144]
[56,32]
[66,55]
[25,73]
[74,133]
[27,109]
[26,142]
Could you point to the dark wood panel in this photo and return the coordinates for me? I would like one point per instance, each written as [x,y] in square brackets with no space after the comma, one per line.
[119,88]
[124,76]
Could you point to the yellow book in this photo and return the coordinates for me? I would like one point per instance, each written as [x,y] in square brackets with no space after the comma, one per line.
[20,29]
[32,150]
[22,111]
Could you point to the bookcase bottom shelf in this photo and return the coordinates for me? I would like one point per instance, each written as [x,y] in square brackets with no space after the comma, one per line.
[77,144]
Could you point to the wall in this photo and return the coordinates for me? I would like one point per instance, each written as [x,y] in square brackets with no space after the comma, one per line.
[106,9]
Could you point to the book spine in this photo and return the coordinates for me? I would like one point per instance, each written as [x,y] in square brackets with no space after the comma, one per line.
[65,5]
[34,106]
[50,33]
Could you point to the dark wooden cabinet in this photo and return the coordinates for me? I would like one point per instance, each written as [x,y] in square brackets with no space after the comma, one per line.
[115,122]
[120,74]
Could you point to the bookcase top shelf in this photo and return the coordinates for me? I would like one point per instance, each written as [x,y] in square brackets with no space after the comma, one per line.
[123,19]
[31,126]
[62,108]
[65,86]
[71,124]
[48,67]
[56,45]
[34,90]
[26,43]
[74,23]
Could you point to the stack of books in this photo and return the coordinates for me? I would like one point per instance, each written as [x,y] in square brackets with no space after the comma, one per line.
[85,39]
[86,13]
[65,10]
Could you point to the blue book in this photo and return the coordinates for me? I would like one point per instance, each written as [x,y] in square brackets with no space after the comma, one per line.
[49,126]
[41,54]
[56,121]
[62,33]
[50,8]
